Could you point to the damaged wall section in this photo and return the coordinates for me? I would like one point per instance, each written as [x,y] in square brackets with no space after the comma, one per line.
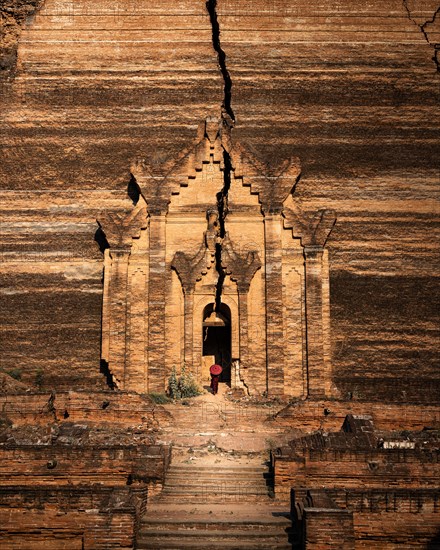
[430,27]
[228,121]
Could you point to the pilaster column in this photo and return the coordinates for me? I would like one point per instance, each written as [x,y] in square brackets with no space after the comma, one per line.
[274,304]
[119,230]
[243,291]
[242,269]
[156,303]
[118,314]
[105,332]
[188,351]
[190,269]
[314,232]
[136,374]
[314,320]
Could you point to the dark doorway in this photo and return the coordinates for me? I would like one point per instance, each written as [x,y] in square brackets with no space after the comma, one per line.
[217,338]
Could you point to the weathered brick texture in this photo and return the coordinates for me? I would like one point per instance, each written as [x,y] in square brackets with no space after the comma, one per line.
[69,518]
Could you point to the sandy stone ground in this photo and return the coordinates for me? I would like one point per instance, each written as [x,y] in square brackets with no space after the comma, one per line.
[212,429]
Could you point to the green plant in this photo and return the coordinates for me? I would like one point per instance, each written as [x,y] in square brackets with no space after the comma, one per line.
[173,385]
[182,387]
[5,423]
[14,373]
[39,379]
[159,398]
[187,384]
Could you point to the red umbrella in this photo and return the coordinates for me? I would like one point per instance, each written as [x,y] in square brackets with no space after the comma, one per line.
[215,369]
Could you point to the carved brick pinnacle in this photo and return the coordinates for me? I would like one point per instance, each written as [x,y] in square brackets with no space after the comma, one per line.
[313,231]
[120,229]
[241,268]
[191,269]
[272,183]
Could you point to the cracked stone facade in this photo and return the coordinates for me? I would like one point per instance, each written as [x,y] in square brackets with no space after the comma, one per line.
[349,89]
[211,6]
[425,15]
[184,288]
[215,142]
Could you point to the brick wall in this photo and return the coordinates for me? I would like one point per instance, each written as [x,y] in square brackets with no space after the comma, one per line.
[57,465]
[121,408]
[310,415]
[319,523]
[328,528]
[396,468]
[377,518]
[77,480]
[69,517]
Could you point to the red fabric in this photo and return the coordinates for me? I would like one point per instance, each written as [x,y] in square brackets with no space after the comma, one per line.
[215,369]
[214,383]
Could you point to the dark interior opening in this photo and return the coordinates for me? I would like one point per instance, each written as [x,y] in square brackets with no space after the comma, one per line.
[217,338]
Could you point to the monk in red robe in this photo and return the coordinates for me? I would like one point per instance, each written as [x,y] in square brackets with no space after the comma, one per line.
[214,383]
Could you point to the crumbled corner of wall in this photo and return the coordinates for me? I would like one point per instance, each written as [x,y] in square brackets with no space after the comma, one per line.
[13,14]
[416,12]
[10,385]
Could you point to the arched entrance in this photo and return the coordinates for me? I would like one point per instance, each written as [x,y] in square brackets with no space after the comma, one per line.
[216,332]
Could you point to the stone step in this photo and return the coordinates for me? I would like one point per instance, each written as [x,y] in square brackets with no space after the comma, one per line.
[201,477]
[216,474]
[195,484]
[227,530]
[216,505]
[269,511]
[219,416]
[219,498]
[216,483]
[210,523]
[214,490]
[201,429]
[220,410]
[179,544]
[214,477]
[184,427]
[225,538]
[214,471]
[198,428]
[216,467]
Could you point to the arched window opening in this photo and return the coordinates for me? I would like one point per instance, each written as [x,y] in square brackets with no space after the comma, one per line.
[217,338]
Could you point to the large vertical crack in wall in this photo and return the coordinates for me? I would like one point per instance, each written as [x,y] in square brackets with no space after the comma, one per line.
[211,6]
[424,29]
[228,121]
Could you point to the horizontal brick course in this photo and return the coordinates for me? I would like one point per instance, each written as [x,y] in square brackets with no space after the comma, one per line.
[70,517]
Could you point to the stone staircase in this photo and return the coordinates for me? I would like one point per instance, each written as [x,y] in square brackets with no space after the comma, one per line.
[203,534]
[215,506]
[216,483]
[218,489]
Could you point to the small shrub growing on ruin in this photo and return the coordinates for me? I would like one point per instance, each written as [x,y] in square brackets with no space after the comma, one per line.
[14,373]
[159,398]
[39,379]
[5,423]
[183,386]
[173,385]
[187,384]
